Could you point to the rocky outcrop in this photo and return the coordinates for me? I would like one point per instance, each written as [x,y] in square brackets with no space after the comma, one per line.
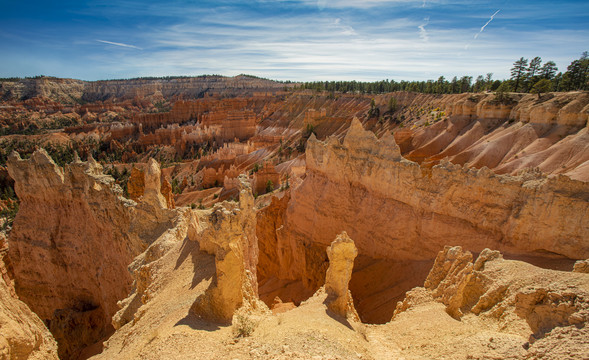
[136,184]
[477,130]
[495,287]
[420,208]
[545,308]
[22,334]
[71,272]
[152,192]
[166,191]
[341,254]
[498,288]
[266,178]
[231,237]
[136,188]
[145,267]
[70,246]
[582,266]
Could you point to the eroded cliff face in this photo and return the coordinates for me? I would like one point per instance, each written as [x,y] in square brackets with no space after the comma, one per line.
[68,89]
[396,210]
[22,334]
[72,241]
[478,130]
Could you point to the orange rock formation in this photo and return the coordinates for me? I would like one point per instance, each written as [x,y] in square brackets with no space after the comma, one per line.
[231,237]
[74,272]
[341,254]
[475,208]
[22,334]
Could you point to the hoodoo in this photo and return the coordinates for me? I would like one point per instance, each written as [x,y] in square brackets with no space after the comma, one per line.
[341,254]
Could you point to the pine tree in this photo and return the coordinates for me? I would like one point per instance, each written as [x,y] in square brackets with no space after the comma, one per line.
[518,72]
[548,71]
[534,67]
[542,86]
[488,81]
[465,82]
[577,76]
[455,87]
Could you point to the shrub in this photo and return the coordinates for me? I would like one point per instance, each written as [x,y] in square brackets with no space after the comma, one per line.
[244,326]
[269,186]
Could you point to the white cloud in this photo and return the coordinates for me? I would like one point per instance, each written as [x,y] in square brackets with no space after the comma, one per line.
[340,47]
[345,29]
[422,32]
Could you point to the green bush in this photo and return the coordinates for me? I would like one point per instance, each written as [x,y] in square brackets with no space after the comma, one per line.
[269,186]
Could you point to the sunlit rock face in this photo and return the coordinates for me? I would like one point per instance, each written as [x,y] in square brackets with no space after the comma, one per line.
[396,210]
[72,241]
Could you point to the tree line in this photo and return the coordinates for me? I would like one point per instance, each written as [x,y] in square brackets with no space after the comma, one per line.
[526,76]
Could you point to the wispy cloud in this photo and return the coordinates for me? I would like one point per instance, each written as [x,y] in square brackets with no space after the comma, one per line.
[422,32]
[119,44]
[345,29]
[487,23]
[348,39]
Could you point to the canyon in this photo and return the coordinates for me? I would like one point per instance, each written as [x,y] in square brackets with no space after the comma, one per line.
[244,218]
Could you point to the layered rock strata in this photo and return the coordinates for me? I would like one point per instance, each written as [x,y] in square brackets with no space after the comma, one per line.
[419,209]
[68,89]
[478,130]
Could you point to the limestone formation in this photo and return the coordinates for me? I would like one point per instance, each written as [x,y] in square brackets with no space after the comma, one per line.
[166,191]
[78,260]
[458,172]
[497,288]
[136,188]
[146,266]
[152,192]
[341,254]
[231,238]
[551,307]
[67,89]
[396,210]
[22,334]
[582,266]
[136,184]
[265,177]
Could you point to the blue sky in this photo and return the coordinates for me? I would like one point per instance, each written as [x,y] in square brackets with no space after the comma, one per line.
[287,39]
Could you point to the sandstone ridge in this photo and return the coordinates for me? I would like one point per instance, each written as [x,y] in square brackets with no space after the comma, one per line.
[346,182]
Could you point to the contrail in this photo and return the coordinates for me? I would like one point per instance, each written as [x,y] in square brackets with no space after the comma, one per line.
[119,44]
[484,26]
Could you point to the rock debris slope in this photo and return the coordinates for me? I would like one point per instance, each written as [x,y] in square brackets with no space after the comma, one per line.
[492,308]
